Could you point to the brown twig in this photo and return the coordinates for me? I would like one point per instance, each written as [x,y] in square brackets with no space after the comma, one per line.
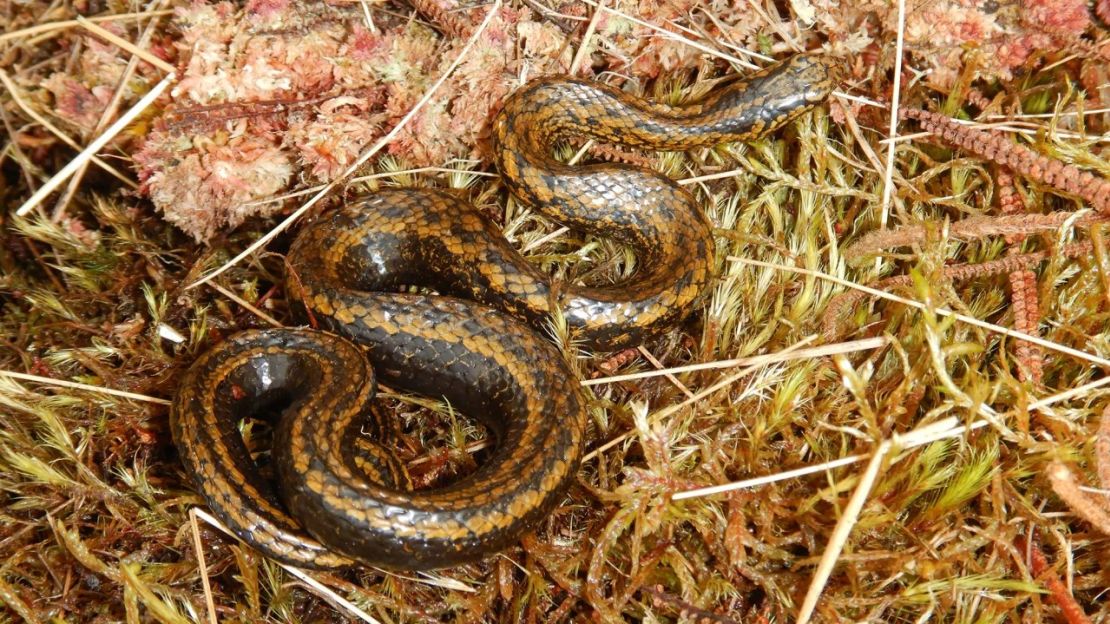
[1087,507]
[660,598]
[970,228]
[1023,287]
[841,303]
[214,115]
[441,12]
[997,148]
[612,153]
[1057,591]
[1027,314]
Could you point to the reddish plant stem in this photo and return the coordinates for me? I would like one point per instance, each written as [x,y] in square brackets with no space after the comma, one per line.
[1070,610]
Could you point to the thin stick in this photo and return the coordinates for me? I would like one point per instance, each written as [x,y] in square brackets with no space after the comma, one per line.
[368,17]
[857,133]
[246,304]
[662,371]
[711,176]
[13,89]
[93,147]
[888,176]
[322,590]
[667,411]
[1093,111]
[109,112]
[754,360]
[1048,344]
[918,439]
[1067,394]
[62,25]
[367,155]
[774,478]
[202,567]
[858,99]
[61,383]
[841,532]
[1003,127]
[372,176]
[105,118]
[545,238]
[330,595]
[124,44]
[584,46]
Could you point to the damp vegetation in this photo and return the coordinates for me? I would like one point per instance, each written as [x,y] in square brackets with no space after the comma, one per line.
[890,407]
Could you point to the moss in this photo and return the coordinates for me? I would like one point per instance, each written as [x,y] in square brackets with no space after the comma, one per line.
[94,507]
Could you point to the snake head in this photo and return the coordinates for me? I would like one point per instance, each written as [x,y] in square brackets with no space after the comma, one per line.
[809,77]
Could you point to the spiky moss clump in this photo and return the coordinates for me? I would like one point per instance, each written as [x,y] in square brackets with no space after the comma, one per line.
[95,507]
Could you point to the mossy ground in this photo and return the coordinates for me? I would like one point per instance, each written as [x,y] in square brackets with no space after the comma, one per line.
[94,506]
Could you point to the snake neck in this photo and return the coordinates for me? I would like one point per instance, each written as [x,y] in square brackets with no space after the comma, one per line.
[559,108]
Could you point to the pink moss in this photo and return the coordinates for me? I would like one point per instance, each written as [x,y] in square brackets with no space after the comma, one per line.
[207,186]
[307,87]
[75,102]
[331,140]
[1061,17]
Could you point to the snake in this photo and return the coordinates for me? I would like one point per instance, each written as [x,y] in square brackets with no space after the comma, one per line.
[470,334]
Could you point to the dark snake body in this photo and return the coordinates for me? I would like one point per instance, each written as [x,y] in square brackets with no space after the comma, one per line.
[350,496]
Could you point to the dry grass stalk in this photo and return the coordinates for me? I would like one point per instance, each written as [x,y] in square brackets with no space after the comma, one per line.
[137,51]
[342,604]
[717,387]
[585,47]
[848,518]
[754,360]
[895,99]
[56,26]
[1102,454]
[202,565]
[61,383]
[1048,344]
[94,146]
[245,304]
[17,97]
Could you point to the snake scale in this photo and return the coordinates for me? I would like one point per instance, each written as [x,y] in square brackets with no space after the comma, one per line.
[344,496]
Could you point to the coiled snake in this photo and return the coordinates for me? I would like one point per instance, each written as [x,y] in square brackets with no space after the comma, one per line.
[344,496]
